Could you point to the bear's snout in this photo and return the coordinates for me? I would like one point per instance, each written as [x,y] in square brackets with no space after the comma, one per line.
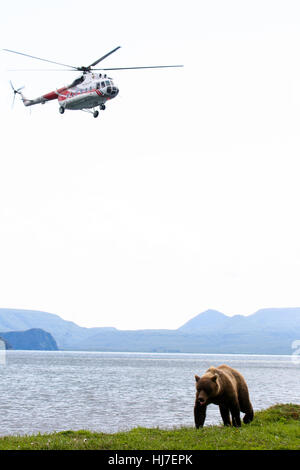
[201,400]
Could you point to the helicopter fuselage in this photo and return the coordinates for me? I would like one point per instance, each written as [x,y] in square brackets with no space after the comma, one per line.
[94,90]
[88,91]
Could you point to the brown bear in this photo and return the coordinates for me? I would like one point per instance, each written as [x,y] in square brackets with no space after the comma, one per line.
[227,388]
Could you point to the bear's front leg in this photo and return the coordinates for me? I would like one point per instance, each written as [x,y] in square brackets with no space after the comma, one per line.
[199,414]
[224,410]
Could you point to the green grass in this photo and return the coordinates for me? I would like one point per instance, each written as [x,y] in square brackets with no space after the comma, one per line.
[277,427]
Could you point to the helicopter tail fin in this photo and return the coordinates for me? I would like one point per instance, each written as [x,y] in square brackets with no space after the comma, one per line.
[26,102]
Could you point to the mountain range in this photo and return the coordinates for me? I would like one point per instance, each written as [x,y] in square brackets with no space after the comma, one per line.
[267,331]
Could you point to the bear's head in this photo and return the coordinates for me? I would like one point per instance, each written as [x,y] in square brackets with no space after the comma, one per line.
[206,389]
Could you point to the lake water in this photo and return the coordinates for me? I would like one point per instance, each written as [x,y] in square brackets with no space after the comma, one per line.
[46,391]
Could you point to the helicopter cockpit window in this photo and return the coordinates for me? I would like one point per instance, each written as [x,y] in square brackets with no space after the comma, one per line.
[103,84]
[107,82]
[98,86]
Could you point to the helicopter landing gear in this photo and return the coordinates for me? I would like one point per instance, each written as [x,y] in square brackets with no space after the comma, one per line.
[102,107]
[94,112]
[61,110]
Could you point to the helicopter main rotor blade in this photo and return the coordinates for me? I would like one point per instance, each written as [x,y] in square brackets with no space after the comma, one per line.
[104,57]
[148,67]
[90,68]
[39,58]
[42,70]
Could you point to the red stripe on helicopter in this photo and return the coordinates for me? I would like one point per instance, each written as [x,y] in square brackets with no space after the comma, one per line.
[64,94]
[53,95]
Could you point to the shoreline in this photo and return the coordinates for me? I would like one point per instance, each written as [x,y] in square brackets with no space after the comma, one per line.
[9,351]
[274,428]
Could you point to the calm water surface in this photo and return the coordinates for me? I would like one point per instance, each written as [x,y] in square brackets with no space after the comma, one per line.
[46,391]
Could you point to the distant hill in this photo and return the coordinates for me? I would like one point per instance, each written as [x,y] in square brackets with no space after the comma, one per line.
[269,319]
[33,339]
[4,344]
[205,321]
[267,331]
[66,333]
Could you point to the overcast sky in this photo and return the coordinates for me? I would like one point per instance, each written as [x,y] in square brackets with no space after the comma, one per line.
[184,194]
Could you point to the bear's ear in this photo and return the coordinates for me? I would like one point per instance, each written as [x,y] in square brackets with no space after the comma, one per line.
[214,378]
[197,378]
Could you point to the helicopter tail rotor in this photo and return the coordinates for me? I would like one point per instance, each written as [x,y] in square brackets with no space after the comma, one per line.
[16,91]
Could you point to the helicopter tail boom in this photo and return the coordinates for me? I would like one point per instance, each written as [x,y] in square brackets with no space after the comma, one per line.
[53,95]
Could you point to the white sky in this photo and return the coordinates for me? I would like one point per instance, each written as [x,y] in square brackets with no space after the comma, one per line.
[184,194]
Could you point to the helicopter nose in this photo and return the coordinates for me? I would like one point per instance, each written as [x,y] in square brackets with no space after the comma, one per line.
[111,91]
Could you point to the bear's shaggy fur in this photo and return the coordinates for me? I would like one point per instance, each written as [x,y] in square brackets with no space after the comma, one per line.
[227,388]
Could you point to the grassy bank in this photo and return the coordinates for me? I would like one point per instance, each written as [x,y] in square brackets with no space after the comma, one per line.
[277,427]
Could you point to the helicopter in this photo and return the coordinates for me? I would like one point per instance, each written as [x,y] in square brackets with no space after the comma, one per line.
[87,92]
